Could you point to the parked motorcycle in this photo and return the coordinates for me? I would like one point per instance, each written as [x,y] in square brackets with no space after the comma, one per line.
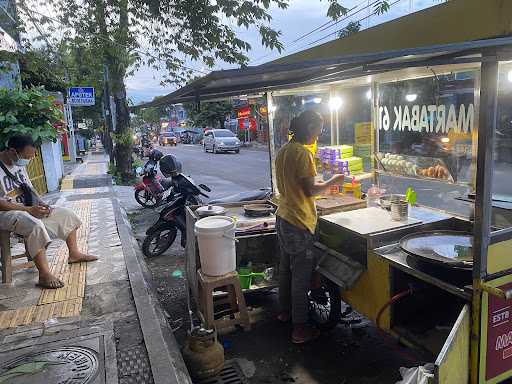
[161,235]
[153,190]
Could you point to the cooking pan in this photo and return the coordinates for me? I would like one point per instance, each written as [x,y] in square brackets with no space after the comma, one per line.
[452,249]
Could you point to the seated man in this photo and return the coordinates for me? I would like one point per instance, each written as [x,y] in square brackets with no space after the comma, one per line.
[37,224]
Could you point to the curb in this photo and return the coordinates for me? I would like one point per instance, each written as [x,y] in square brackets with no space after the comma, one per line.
[167,365]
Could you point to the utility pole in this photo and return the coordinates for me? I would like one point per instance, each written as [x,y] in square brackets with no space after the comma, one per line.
[108,115]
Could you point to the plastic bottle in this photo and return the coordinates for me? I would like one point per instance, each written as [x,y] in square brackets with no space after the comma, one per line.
[373,196]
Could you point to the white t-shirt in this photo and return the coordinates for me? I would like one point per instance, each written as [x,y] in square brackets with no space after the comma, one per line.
[8,189]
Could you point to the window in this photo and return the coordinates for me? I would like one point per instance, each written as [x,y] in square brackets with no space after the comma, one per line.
[224,133]
[426,128]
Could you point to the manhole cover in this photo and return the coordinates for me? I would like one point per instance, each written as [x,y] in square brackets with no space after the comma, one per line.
[70,365]
[230,374]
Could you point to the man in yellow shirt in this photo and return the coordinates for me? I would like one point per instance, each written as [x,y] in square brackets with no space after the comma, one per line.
[296,221]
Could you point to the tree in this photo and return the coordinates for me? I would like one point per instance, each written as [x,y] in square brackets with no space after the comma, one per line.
[350,29]
[209,114]
[163,34]
[151,116]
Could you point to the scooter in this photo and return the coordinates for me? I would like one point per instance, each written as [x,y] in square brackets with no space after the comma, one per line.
[153,190]
[161,235]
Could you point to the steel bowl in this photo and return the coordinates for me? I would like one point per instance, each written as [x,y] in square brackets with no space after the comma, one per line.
[385,200]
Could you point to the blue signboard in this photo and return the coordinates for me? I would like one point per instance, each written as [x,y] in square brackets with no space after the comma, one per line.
[81,96]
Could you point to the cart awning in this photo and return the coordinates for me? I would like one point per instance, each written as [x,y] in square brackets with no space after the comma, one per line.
[252,80]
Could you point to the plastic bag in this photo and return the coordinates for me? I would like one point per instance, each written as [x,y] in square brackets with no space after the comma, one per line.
[417,375]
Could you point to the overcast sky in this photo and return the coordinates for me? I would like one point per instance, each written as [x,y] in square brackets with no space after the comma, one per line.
[301,17]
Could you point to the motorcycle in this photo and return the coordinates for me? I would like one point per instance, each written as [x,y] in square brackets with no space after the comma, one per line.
[161,235]
[153,190]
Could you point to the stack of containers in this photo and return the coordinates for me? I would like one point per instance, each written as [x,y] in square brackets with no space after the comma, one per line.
[364,151]
[339,159]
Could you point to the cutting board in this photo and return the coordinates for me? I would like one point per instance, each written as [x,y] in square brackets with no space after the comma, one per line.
[339,203]
[368,221]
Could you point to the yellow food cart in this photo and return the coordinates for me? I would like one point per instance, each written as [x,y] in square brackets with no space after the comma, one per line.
[434,119]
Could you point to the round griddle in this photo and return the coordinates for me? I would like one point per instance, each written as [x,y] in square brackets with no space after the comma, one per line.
[258,210]
[445,248]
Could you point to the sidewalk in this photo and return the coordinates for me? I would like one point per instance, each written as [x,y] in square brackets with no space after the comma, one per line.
[104,326]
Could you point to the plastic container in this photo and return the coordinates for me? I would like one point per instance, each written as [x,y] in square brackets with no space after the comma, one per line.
[354,190]
[373,196]
[216,240]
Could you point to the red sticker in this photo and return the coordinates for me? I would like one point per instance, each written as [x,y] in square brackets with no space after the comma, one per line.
[499,336]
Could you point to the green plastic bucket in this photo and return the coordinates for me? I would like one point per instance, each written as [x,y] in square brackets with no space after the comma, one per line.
[245,276]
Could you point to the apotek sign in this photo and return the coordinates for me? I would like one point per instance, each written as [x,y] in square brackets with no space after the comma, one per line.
[81,96]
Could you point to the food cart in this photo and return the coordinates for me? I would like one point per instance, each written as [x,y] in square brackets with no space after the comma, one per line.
[427,118]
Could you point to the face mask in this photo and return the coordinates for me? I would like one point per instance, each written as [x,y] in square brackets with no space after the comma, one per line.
[21,162]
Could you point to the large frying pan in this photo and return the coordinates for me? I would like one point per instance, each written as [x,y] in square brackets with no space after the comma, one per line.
[451,249]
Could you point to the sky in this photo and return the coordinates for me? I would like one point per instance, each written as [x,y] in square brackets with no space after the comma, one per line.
[301,17]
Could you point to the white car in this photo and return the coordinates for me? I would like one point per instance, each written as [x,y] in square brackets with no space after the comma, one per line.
[221,140]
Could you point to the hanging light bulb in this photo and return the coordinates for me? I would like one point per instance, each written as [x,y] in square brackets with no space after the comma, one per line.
[335,103]
[411,97]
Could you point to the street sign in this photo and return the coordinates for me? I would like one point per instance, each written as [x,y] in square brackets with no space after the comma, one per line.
[81,96]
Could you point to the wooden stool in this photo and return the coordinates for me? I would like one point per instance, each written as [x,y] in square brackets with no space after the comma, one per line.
[5,250]
[235,298]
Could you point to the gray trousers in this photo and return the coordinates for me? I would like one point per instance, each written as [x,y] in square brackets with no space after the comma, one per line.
[295,269]
[39,232]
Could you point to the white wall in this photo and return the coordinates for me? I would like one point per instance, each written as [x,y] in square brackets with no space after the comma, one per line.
[52,161]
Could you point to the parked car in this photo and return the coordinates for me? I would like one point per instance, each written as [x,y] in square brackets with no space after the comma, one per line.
[167,138]
[221,140]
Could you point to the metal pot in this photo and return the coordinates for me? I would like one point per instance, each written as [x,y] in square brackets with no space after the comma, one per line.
[210,210]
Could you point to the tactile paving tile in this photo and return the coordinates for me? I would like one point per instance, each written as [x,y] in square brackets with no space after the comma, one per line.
[133,366]
[62,302]
[40,313]
[67,183]
[73,275]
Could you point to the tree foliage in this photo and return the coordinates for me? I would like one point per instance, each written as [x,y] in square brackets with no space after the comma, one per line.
[28,112]
[350,29]
[162,34]
[210,115]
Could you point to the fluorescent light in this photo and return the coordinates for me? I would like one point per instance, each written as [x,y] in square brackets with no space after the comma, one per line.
[509,76]
[369,79]
[303,101]
[411,97]
[445,140]
[369,94]
[335,103]
[317,100]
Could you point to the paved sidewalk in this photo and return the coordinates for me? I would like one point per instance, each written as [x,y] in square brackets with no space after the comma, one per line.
[104,325]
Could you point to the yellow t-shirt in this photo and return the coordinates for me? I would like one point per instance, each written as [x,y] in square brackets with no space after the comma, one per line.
[293,163]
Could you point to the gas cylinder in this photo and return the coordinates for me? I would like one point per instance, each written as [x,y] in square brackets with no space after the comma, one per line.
[203,354]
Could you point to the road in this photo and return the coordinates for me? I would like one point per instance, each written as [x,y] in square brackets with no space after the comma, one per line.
[230,173]
[224,173]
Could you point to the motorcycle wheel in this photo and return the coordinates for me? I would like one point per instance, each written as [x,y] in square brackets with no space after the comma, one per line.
[146,199]
[325,305]
[159,240]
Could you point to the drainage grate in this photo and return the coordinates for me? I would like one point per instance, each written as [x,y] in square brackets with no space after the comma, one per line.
[230,374]
[133,366]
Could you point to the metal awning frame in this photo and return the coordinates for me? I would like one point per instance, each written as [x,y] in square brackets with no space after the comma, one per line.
[333,69]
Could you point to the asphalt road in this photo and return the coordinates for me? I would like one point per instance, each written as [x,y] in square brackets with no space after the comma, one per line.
[230,173]
[224,173]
